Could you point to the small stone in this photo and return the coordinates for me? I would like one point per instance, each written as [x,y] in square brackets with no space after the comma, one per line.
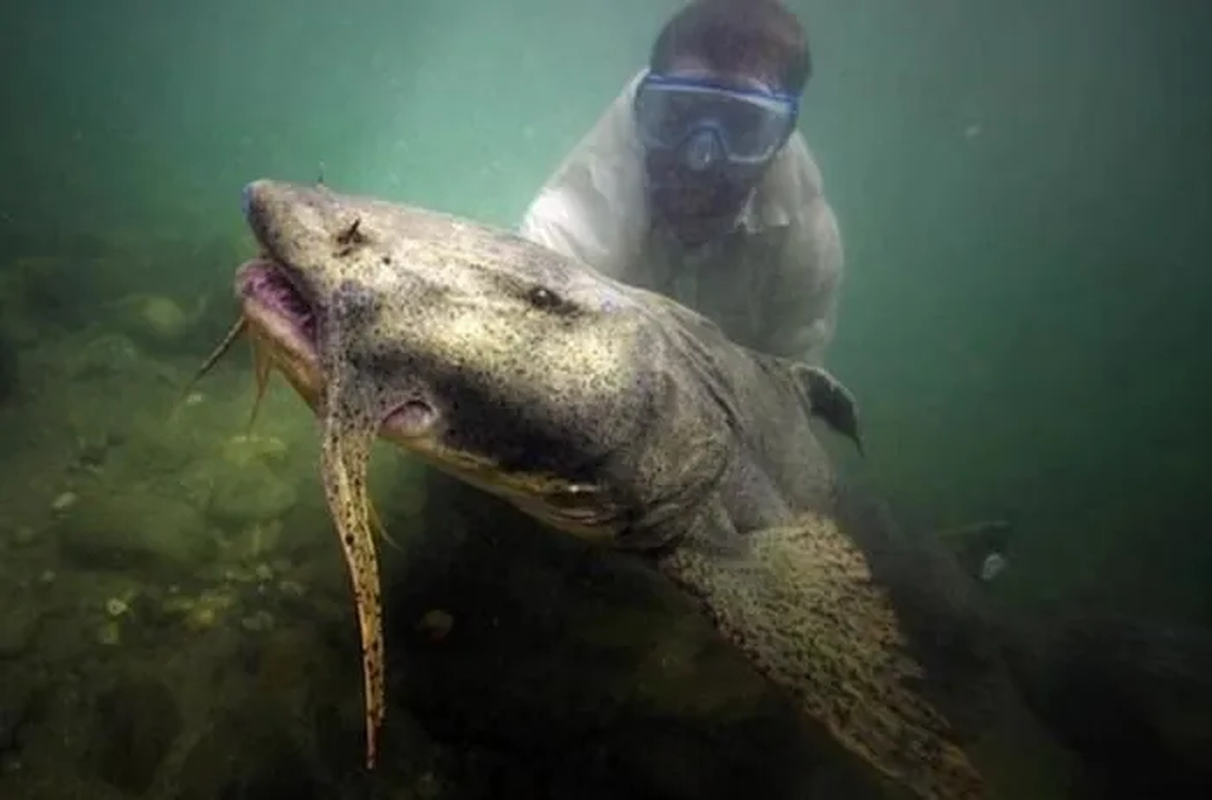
[217,599]
[436,623]
[178,605]
[109,634]
[19,624]
[64,501]
[201,618]
[205,610]
[292,588]
[993,566]
[235,575]
[258,623]
[116,607]
[194,398]
[264,573]
[256,541]
[428,786]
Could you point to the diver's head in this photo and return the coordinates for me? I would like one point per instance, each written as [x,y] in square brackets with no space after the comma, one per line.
[719,100]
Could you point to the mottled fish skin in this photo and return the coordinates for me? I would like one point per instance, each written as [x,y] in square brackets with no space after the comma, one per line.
[615,414]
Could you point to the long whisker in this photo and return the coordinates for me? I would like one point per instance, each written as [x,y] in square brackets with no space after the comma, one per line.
[262,369]
[345,456]
[376,525]
[234,333]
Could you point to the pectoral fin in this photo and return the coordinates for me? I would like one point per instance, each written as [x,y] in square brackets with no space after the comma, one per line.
[830,400]
[801,603]
[980,547]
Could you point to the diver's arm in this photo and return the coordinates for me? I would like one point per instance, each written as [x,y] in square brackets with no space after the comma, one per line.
[557,220]
[801,312]
[591,207]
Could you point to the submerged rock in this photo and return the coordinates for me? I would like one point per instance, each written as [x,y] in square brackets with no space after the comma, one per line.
[137,721]
[53,293]
[118,531]
[157,320]
[243,481]
[263,742]
[267,762]
[9,373]
[22,702]
[250,493]
[107,355]
[20,619]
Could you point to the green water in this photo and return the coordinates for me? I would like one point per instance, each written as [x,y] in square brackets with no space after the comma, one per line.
[1023,191]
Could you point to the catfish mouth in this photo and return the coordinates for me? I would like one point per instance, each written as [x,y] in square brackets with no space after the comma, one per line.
[284,314]
[273,301]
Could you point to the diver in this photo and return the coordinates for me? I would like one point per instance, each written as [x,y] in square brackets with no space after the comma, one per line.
[696,183]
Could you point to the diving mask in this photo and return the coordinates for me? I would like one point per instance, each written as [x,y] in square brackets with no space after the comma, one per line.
[708,122]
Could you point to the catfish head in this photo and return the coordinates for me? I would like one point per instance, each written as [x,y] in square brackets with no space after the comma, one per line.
[518,370]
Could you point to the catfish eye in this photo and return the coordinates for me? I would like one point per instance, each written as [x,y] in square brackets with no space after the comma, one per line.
[543,298]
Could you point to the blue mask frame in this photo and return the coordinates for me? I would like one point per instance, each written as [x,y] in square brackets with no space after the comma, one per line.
[709,121]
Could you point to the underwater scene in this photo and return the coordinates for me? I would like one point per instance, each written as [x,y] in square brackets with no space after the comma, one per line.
[678,400]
